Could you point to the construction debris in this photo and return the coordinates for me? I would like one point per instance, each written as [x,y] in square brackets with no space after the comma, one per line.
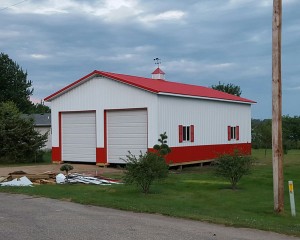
[3,179]
[20,178]
[18,182]
[32,177]
[85,179]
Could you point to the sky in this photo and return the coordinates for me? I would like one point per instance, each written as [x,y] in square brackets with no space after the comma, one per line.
[201,42]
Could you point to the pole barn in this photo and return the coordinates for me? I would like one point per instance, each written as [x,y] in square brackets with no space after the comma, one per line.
[102,116]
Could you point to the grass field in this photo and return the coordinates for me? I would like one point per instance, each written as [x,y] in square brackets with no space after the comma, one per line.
[196,193]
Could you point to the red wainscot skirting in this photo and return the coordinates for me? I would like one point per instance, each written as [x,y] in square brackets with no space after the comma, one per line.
[191,154]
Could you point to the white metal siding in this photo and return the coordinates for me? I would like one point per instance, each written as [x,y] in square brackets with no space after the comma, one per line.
[210,120]
[79,137]
[126,131]
[99,94]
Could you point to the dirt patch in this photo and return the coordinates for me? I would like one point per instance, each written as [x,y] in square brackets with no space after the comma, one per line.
[79,168]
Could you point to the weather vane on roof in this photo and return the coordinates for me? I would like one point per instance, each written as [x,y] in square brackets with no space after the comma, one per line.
[157,61]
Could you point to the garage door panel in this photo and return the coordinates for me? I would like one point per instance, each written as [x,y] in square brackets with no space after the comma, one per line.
[126,131]
[79,157]
[120,154]
[122,142]
[141,127]
[79,129]
[81,149]
[131,135]
[78,146]
[87,140]
[79,137]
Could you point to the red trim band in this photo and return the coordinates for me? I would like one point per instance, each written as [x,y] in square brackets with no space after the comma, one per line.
[205,152]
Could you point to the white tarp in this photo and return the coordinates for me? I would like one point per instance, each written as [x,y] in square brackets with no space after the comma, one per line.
[60,178]
[18,182]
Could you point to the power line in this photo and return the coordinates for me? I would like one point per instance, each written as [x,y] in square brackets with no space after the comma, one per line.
[2,9]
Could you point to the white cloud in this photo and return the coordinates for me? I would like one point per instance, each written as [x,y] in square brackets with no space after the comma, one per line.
[115,11]
[106,9]
[38,56]
[118,57]
[194,66]
[112,11]
[260,37]
[297,88]
[43,7]
[260,3]
[164,16]
[8,34]
[144,48]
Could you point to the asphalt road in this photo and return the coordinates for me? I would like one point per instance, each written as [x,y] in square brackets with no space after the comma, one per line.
[29,218]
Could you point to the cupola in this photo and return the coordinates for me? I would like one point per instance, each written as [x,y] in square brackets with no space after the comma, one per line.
[158,73]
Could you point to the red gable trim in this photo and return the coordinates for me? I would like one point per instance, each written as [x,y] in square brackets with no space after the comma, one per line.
[157,86]
[70,86]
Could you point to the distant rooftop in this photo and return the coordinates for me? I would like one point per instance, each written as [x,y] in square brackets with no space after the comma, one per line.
[40,120]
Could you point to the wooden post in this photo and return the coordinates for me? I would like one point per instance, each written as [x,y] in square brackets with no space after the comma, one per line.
[277,108]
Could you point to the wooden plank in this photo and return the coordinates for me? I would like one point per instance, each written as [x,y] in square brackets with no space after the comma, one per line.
[33,176]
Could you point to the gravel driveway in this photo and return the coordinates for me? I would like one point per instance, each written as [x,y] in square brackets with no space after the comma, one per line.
[29,218]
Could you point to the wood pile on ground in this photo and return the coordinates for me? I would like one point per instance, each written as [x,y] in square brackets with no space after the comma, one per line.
[16,178]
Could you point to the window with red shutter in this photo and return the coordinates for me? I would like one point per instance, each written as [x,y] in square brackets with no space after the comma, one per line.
[192,133]
[229,132]
[180,133]
[237,133]
[186,133]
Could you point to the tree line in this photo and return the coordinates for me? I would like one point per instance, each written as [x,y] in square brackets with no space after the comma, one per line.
[262,133]
[19,141]
[16,88]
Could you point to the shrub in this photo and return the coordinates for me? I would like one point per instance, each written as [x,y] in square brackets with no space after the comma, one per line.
[149,167]
[233,167]
[66,168]
[144,170]
[19,141]
[162,148]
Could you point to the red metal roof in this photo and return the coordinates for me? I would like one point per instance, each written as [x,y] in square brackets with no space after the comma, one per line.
[157,86]
[158,71]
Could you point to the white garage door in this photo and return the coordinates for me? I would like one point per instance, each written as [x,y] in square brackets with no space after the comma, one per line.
[126,131]
[79,137]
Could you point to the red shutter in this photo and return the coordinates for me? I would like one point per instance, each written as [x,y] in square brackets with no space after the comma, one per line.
[229,133]
[192,133]
[237,133]
[180,133]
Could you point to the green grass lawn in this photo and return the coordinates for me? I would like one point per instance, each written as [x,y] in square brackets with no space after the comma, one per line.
[196,193]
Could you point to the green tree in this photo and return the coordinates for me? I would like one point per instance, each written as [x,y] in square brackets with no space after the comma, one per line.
[149,167]
[233,167]
[262,134]
[162,148]
[291,131]
[14,85]
[66,168]
[19,142]
[228,88]
[40,108]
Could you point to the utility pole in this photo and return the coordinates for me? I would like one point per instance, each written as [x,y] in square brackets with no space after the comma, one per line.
[277,108]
